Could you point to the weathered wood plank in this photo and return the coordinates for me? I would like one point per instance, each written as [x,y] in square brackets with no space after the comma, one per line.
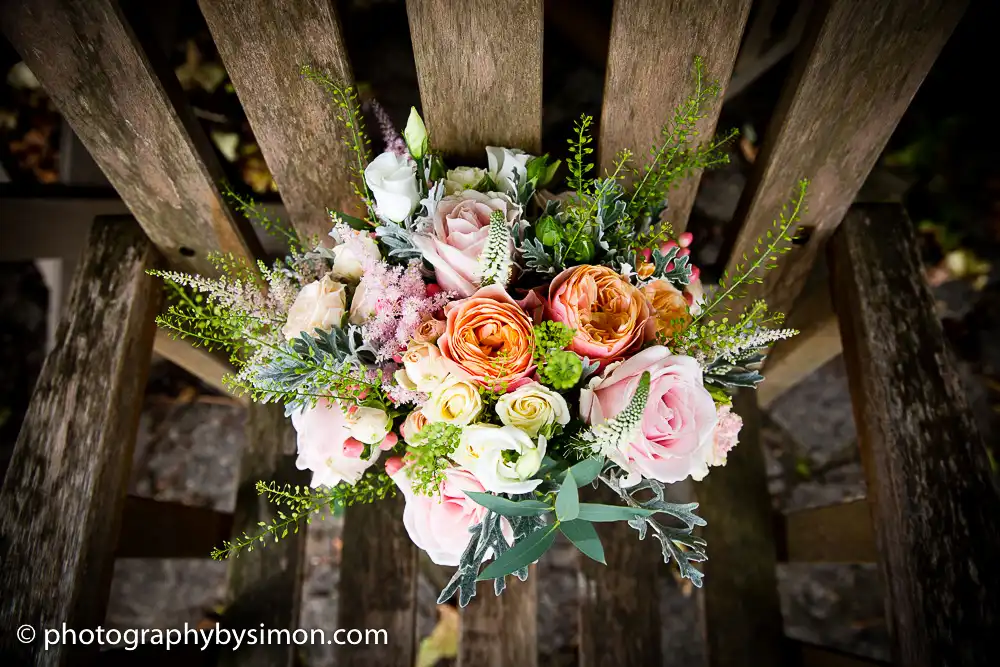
[743,624]
[855,72]
[263,44]
[127,110]
[810,655]
[160,529]
[790,361]
[485,641]
[378,587]
[834,534]
[61,503]
[935,507]
[208,367]
[265,585]
[762,48]
[653,46]
[620,620]
[480,73]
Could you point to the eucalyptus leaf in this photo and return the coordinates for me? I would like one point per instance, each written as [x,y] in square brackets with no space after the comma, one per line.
[600,513]
[522,554]
[506,507]
[568,499]
[587,470]
[583,534]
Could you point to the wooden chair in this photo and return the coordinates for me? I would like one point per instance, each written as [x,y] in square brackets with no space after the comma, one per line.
[929,519]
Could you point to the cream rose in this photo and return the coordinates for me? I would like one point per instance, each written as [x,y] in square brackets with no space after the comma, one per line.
[368,425]
[412,425]
[346,264]
[455,401]
[503,458]
[319,305]
[532,408]
[463,178]
[504,163]
[424,368]
[362,304]
[393,181]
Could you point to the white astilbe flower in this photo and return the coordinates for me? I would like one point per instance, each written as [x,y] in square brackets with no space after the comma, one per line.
[611,436]
[733,346]
[495,260]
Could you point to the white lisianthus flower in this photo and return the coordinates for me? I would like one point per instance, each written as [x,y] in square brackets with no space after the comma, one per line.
[532,408]
[347,265]
[455,401]
[393,181]
[368,425]
[462,178]
[503,458]
[319,305]
[504,163]
[424,367]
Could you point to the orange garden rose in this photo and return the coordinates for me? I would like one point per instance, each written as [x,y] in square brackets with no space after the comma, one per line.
[489,337]
[670,309]
[606,310]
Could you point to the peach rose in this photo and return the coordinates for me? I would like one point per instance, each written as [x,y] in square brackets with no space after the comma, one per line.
[412,425]
[606,310]
[319,305]
[429,331]
[670,310]
[678,426]
[454,244]
[440,524]
[489,337]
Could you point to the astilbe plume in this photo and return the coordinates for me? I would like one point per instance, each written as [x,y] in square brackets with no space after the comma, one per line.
[393,142]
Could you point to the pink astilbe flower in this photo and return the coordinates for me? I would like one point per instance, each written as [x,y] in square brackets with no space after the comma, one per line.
[393,142]
[401,304]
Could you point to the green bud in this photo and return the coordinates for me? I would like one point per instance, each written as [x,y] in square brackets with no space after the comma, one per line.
[562,370]
[547,231]
[415,135]
[550,174]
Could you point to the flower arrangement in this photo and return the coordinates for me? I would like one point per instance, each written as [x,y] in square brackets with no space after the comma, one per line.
[486,348]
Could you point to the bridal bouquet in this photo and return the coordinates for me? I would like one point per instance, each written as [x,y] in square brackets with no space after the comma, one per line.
[486,349]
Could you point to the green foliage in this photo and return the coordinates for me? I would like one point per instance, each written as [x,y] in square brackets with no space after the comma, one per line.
[295,504]
[523,553]
[429,456]
[579,164]
[558,368]
[254,212]
[506,507]
[584,537]
[568,499]
[350,116]
[777,241]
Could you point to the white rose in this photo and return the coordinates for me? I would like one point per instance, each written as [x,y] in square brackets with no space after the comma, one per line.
[504,163]
[455,401]
[486,449]
[424,367]
[362,304]
[462,178]
[369,425]
[346,263]
[532,408]
[393,181]
[319,305]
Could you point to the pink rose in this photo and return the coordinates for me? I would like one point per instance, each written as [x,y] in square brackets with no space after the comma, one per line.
[440,524]
[676,436]
[323,432]
[454,244]
[726,436]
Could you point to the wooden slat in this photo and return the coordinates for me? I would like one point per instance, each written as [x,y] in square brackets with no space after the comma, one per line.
[810,655]
[834,534]
[378,585]
[855,72]
[480,73]
[160,529]
[208,367]
[653,45]
[743,624]
[61,502]
[263,44]
[762,49]
[484,642]
[790,361]
[935,506]
[127,110]
[620,620]
[265,585]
